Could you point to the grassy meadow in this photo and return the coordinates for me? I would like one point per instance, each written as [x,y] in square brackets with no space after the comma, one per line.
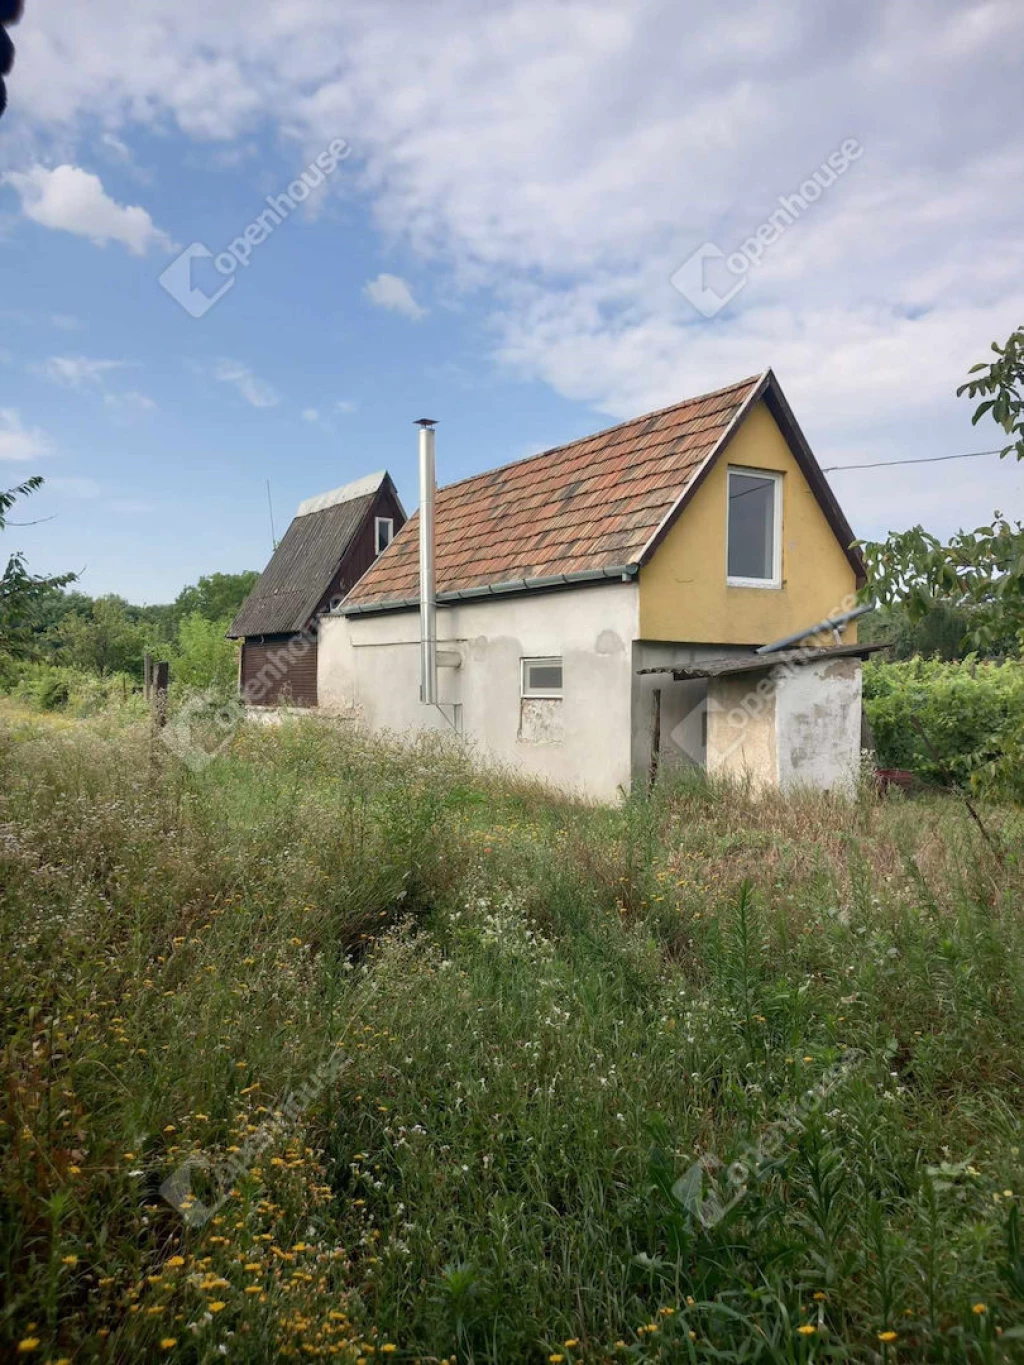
[504,1077]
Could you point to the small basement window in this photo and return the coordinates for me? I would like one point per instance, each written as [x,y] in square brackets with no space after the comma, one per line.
[754,530]
[384,533]
[542,677]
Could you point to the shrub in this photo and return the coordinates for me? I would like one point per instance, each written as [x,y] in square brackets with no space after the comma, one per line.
[204,658]
[971,713]
[55,687]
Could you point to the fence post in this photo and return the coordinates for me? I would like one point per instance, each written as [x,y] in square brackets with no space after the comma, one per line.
[655,736]
[161,681]
[147,675]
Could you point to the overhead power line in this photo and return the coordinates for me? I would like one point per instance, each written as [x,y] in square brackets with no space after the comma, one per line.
[921,459]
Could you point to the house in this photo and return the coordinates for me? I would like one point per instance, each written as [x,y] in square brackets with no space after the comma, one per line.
[599,606]
[332,541]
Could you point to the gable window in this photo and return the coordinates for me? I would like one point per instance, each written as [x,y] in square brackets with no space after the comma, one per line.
[383,533]
[542,677]
[754,546]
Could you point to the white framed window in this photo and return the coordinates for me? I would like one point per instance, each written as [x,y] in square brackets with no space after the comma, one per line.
[542,677]
[754,528]
[383,533]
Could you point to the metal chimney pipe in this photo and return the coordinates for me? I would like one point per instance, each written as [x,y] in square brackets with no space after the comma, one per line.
[428,600]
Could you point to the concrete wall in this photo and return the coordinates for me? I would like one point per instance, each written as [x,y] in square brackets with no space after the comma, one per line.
[819,725]
[369,667]
[683,590]
[798,728]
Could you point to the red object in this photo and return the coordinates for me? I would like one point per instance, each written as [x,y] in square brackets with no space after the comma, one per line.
[896,777]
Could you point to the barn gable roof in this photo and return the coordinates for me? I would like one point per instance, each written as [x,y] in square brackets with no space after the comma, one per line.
[307,559]
[594,508]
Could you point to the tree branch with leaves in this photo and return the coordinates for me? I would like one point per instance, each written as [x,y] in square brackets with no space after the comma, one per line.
[981,570]
[19,589]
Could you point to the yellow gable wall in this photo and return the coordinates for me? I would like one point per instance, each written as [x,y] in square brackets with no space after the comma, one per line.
[683,592]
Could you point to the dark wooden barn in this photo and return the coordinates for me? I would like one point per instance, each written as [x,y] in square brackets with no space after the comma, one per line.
[332,541]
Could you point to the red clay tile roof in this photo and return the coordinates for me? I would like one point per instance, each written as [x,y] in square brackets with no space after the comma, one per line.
[591,505]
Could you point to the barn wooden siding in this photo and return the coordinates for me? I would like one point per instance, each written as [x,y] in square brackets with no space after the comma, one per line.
[277,670]
[292,594]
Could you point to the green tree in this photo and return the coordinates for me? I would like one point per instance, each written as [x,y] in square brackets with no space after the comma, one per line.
[942,632]
[204,656]
[22,593]
[217,596]
[980,571]
[103,639]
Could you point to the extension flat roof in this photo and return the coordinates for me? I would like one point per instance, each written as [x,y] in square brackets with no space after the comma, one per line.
[763,663]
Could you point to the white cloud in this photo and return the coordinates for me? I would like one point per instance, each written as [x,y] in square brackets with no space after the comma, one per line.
[346,406]
[311,415]
[120,149]
[66,322]
[393,293]
[84,373]
[129,404]
[563,160]
[255,391]
[78,371]
[18,442]
[73,200]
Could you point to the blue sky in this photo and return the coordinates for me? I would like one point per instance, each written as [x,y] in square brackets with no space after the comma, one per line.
[496,251]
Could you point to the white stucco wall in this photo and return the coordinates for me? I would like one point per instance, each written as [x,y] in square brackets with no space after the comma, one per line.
[818,719]
[798,727]
[369,666]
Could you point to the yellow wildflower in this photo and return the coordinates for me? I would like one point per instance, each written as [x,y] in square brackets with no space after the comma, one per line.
[887,1336]
[979,1308]
[217,1306]
[168,1343]
[28,1344]
[176,1261]
[807,1330]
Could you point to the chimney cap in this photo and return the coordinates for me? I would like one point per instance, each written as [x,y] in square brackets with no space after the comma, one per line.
[425,422]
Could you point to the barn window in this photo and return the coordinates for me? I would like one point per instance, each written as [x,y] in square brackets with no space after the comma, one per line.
[384,531]
[755,529]
[542,677]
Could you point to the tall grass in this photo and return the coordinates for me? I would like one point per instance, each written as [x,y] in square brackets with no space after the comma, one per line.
[548,1013]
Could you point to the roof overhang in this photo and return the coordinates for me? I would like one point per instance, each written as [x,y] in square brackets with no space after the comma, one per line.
[552,582]
[764,663]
